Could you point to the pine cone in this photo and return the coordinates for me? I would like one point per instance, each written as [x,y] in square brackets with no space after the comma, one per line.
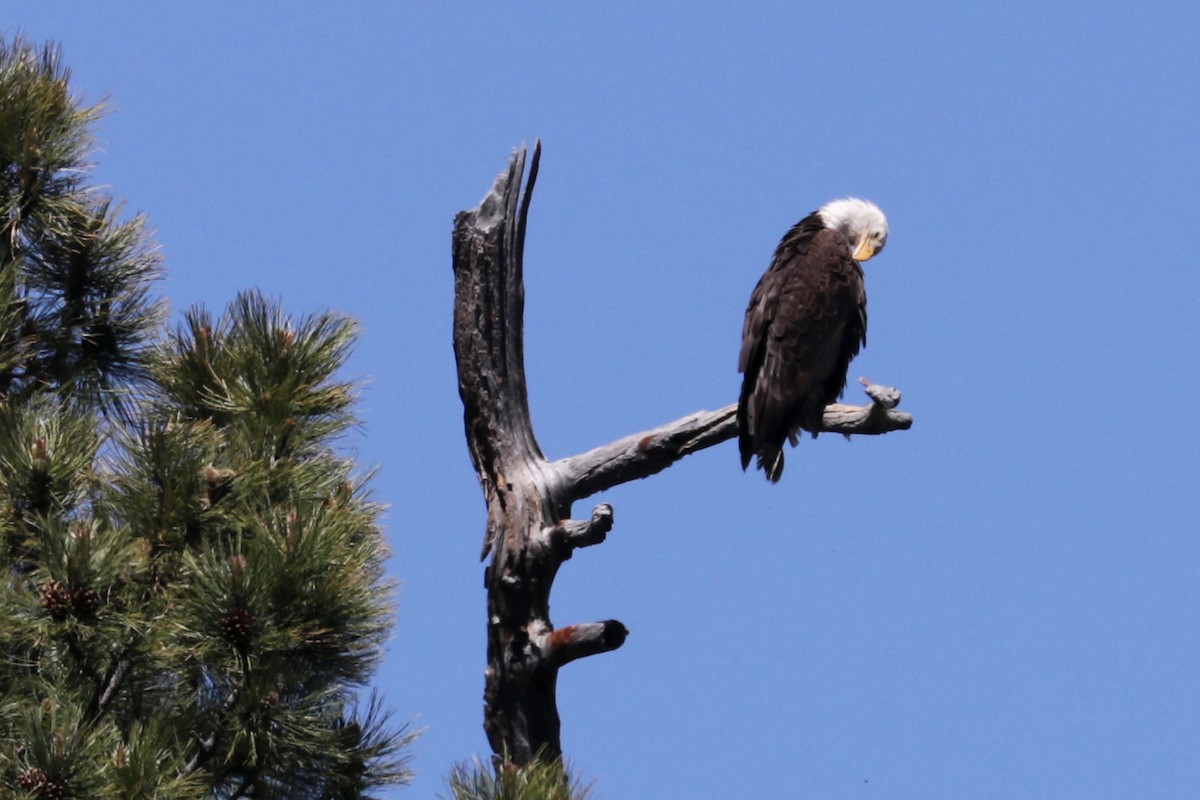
[237,625]
[37,783]
[54,790]
[32,780]
[85,600]
[57,600]
[62,601]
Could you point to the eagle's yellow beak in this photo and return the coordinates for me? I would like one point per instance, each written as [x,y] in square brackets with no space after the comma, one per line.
[865,249]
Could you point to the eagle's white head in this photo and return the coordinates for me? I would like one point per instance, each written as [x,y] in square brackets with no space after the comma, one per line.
[860,221]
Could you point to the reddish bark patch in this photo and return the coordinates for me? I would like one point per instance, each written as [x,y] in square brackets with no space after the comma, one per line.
[562,636]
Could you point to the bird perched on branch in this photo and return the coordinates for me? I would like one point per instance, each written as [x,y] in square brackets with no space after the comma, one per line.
[806,320]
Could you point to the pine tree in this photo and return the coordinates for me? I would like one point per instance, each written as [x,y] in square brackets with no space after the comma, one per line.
[540,779]
[195,595]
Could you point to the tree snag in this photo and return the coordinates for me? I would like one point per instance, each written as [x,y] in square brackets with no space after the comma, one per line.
[529,533]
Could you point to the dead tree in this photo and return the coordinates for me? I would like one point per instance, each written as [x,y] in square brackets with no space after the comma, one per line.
[529,531]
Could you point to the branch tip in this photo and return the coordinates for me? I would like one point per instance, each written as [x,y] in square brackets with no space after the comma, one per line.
[886,396]
[574,533]
[579,641]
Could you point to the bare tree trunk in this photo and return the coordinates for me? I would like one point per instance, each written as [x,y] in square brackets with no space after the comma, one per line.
[529,532]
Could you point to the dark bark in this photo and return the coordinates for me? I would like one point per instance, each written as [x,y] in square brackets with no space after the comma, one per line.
[528,533]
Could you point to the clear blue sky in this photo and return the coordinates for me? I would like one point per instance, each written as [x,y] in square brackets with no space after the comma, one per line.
[1002,602]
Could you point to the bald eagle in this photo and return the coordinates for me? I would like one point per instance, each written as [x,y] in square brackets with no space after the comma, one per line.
[806,320]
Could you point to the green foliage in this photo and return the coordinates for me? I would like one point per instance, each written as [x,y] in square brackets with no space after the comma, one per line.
[195,595]
[254,367]
[538,780]
[75,308]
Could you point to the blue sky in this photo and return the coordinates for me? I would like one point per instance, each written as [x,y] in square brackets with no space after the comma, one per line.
[1002,602]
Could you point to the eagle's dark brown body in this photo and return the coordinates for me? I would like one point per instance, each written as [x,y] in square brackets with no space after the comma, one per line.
[806,320]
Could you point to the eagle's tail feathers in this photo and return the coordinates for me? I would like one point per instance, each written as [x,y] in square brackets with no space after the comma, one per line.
[770,461]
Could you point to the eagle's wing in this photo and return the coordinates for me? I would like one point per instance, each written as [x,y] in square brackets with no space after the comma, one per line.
[759,313]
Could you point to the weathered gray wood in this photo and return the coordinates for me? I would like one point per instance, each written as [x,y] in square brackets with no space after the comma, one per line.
[643,454]
[520,715]
[528,533]
[571,533]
